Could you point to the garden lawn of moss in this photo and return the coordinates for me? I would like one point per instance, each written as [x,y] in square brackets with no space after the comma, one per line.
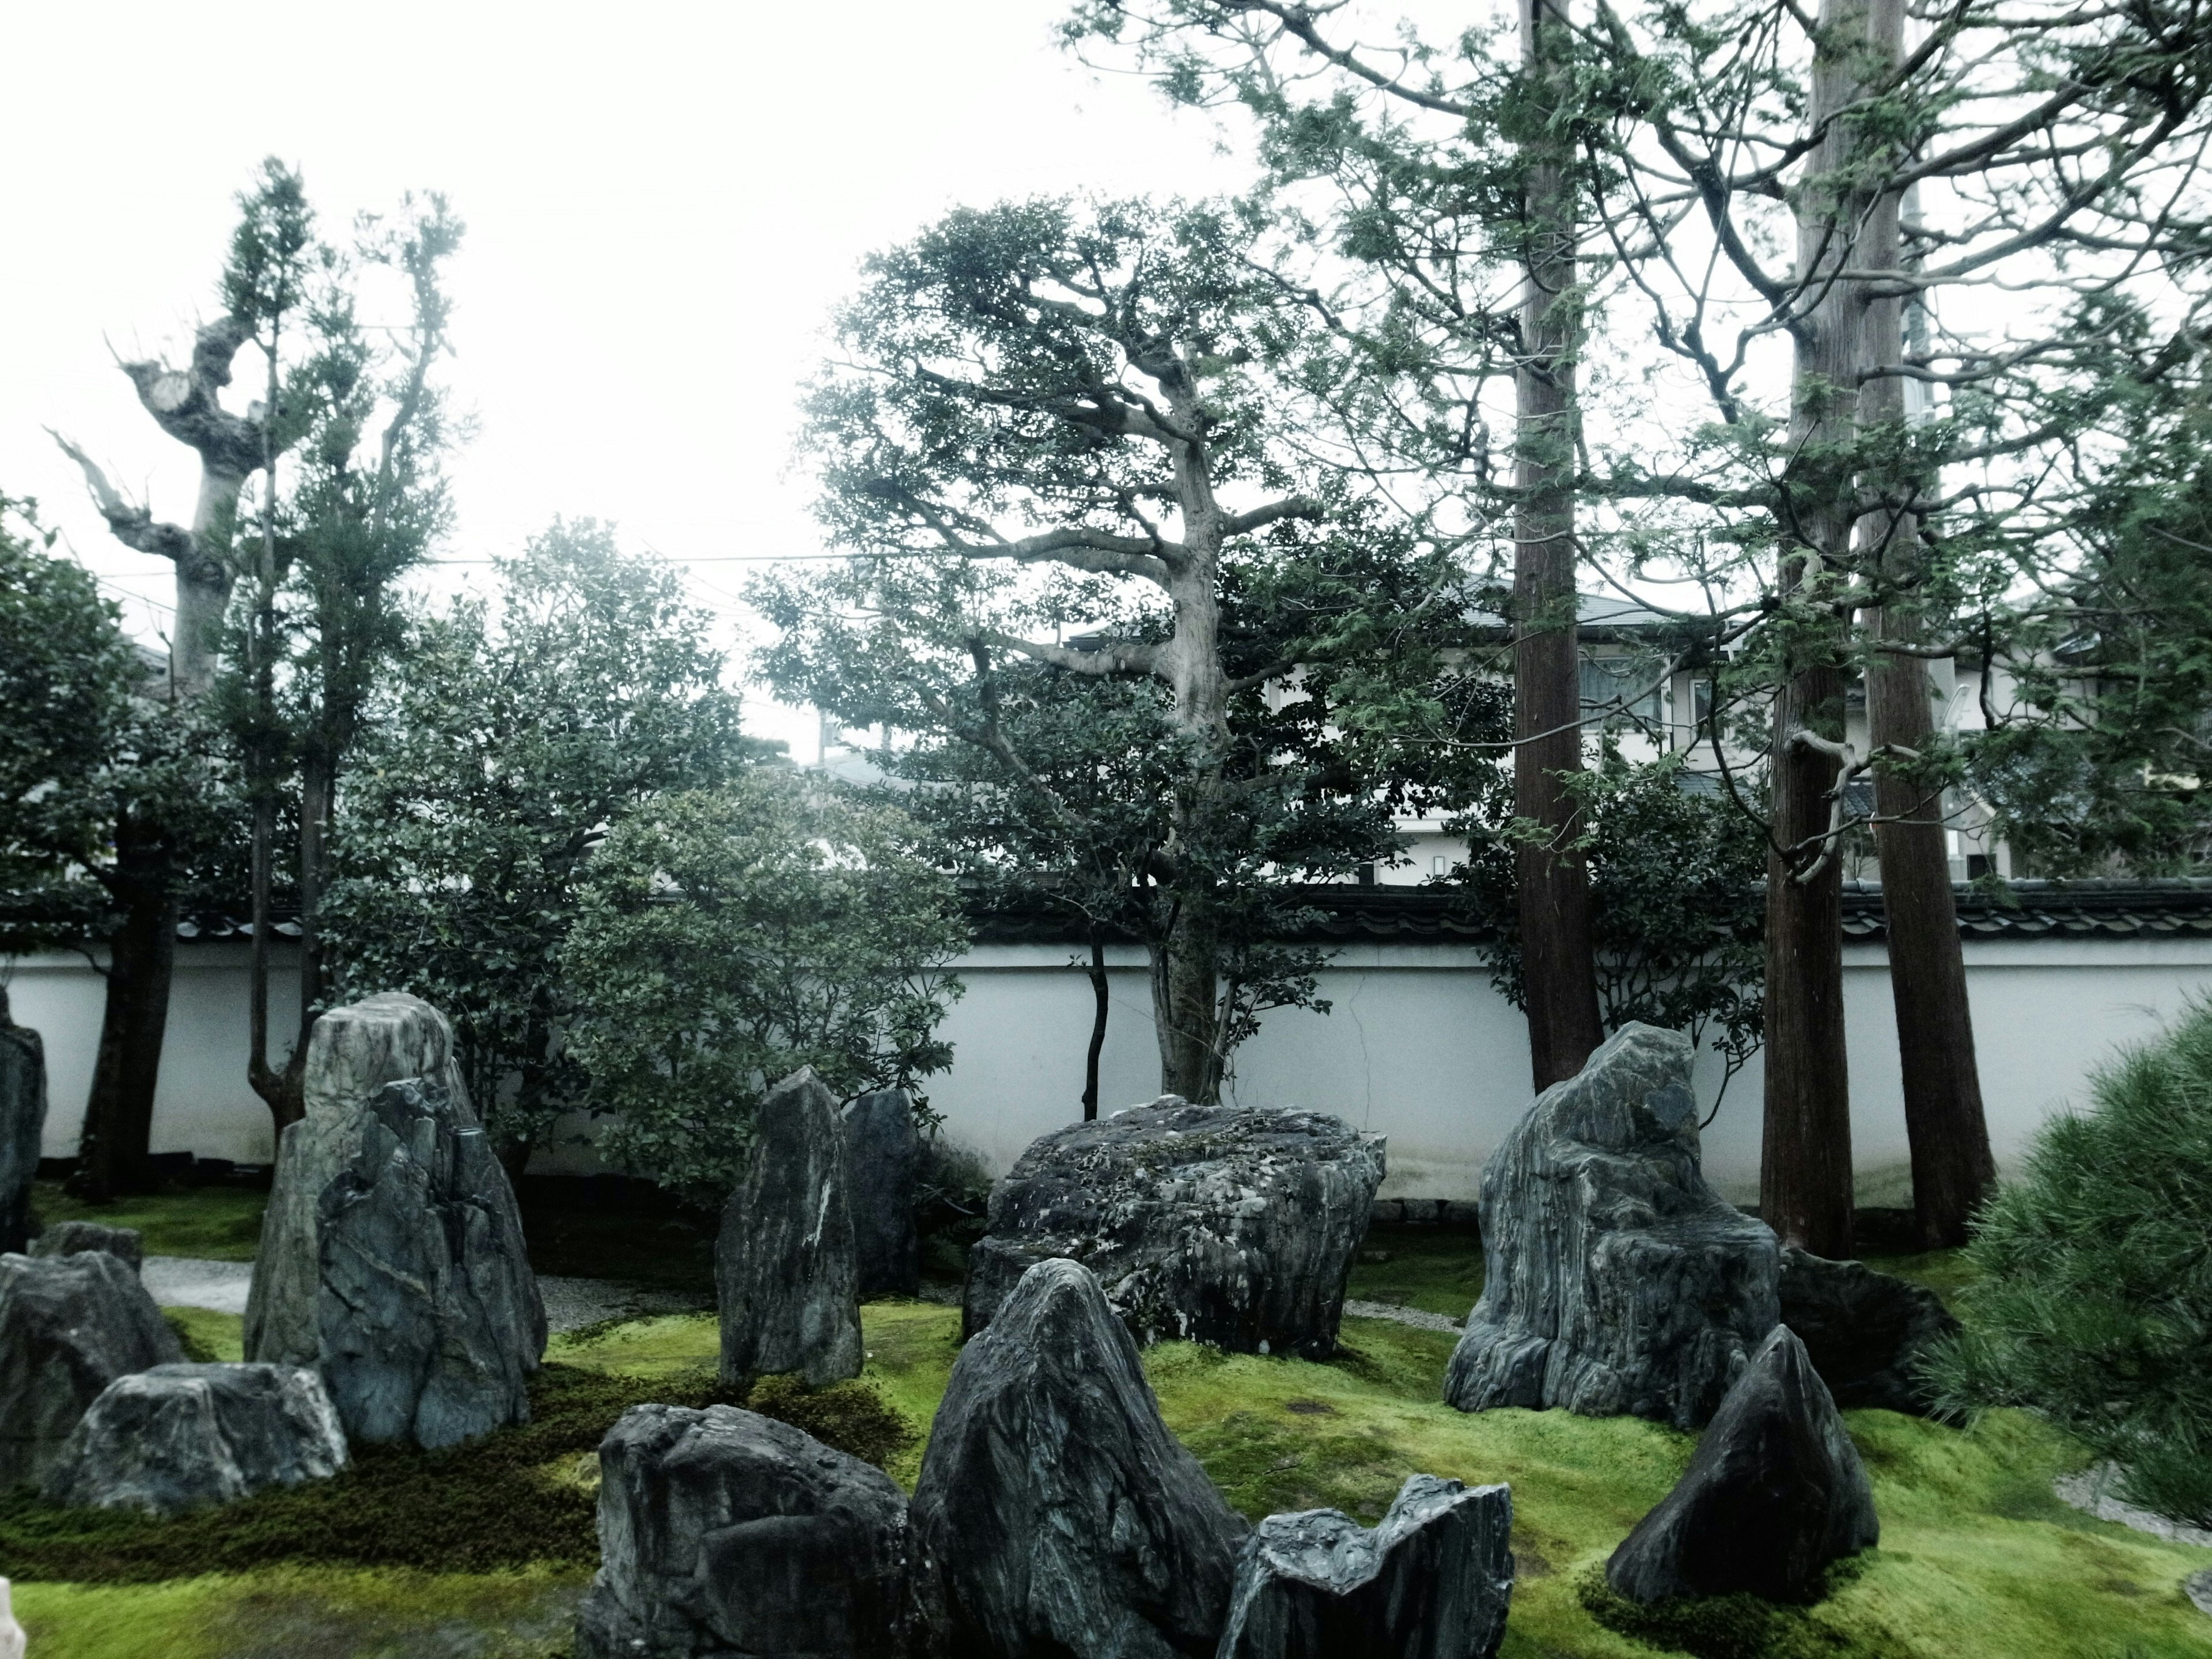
[1424,1267]
[215,1223]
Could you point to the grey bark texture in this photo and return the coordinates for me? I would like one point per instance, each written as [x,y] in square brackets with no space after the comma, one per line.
[70,1325]
[182,1438]
[785,1273]
[352,1052]
[726,1535]
[1616,1282]
[428,1316]
[22,1124]
[883,1164]
[74,1237]
[1865,1331]
[1060,1516]
[1214,1224]
[1774,1493]
[1433,1580]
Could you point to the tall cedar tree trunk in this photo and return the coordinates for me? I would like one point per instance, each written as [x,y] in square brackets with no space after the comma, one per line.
[115,1148]
[1805,1170]
[1944,1125]
[1551,882]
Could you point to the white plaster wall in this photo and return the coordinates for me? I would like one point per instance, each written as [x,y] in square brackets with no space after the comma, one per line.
[1417,1046]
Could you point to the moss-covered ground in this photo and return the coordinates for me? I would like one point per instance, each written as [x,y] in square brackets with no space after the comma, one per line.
[216,1224]
[485,1550]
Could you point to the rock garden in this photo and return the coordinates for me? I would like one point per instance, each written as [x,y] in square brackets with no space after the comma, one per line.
[1142,1422]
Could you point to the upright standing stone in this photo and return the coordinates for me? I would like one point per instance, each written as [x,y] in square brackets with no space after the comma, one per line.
[1774,1493]
[22,1124]
[126,1245]
[1616,1282]
[70,1325]
[1232,1225]
[352,1052]
[1433,1580]
[11,1633]
[724,1533]
[428,1319]
[883,1164]
[1058,1514]
[784,1268]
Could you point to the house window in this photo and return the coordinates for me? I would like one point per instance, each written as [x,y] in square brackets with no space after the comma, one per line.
[1632,682]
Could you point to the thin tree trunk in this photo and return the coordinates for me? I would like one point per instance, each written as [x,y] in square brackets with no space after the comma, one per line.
[1551,882]
[114,1158]
[1098,997]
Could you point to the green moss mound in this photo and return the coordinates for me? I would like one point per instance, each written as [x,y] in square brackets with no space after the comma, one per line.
[216,1224]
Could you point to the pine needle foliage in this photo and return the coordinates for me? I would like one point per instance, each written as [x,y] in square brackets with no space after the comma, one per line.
[2095,1309]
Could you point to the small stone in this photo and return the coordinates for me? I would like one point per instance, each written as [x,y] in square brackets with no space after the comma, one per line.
[179,1437]
[883,1165]
[2198,1587]
[70,1325]
[1865,1331]
[1774,1493]
[1616,1282]
[1060,1515]
[11,1633]
[74,1238]
[1433,1581]
[22,1124]
[428,1318]
[1230,1226]
[725,1534]
[785,1273]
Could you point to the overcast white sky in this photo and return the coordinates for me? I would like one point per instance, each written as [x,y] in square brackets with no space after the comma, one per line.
[662,200]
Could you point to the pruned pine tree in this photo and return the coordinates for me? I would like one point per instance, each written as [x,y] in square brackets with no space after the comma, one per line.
[1051,441]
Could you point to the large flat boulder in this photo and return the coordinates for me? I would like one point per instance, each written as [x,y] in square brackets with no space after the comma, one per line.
[1866,1332]
[353,1052]
[70,1325]
[1059,1516]
[883,1167]
[1223,1225]
[1616,1282]
[785,1276]
[1433,1580]
[723,1534]
[126,1245]
[428,1321]
[1774,1493]
[179,1437]
[22,1124]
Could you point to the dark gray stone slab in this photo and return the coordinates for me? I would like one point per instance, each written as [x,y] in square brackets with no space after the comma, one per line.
[785,1273]
[179,1437]
[70,1325]
[74,1238]
[1215,1224]
[1059,1516]
[1433,1580]
[882,1166]
[1774,1493]
[1616,1281]
[1866,1331]
[22,1124]
[726,1535]
[428,1317]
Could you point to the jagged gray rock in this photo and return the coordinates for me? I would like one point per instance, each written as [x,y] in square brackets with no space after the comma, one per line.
[1865,1331]
[352,1052]
[1774,1493]
[882,1166]
[724,1533]
[182,1438]
[1616,1282]
[74,1238]
[22,1123]
[1058,1513]
[70,1325]
[1216,1224]
[1433,1580]
[785,1274]
[428,1321]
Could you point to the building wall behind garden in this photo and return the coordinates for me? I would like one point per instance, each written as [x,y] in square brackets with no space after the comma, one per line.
[1416,1046]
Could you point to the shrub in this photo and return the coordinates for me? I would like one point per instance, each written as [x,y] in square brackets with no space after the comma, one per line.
[2095,1309]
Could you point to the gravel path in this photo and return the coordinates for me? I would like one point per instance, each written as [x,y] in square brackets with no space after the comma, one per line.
[2090,1492]
[1413,1316]
[180,1281]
